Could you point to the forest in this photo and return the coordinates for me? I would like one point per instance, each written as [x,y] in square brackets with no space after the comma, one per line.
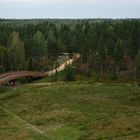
[110,49]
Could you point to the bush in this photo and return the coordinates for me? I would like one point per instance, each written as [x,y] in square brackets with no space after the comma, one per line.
[112,76]
[95,76]
[69,73]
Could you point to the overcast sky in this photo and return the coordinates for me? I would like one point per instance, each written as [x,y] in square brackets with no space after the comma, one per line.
[69,8]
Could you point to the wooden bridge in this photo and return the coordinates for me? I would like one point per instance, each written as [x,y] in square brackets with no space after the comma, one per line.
[11,76]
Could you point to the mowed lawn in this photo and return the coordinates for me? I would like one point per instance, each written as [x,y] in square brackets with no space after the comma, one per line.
[70,112]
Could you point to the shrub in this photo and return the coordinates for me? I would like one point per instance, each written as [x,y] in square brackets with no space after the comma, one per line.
[69,73]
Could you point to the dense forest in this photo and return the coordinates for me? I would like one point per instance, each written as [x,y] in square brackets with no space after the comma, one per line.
[110,49]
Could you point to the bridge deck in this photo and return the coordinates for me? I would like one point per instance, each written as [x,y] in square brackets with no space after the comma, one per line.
[9,76]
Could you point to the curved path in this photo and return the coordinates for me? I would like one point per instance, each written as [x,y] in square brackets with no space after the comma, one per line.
[9,76]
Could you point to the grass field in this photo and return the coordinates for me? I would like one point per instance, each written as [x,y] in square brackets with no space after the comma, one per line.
[70,111]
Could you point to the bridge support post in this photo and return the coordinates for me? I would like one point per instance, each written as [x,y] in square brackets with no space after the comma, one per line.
[12,83]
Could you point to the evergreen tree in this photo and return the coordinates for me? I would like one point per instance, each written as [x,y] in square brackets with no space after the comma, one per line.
[16,52]
[3,58]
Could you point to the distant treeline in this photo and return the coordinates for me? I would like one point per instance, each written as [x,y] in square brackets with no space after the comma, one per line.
[109,48]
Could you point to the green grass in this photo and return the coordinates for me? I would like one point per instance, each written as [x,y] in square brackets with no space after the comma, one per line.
[71,111]
[4,89]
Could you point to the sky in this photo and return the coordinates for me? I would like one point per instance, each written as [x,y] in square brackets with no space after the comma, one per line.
[26,9]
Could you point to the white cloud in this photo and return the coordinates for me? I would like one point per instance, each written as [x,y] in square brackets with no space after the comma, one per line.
[109,2]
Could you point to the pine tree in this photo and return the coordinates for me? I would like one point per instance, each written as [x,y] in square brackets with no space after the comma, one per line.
[16,52]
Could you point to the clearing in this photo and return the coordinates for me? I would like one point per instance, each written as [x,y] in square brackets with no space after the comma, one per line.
[70,111]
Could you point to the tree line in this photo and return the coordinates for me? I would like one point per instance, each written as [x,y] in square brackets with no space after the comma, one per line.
[108,48]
